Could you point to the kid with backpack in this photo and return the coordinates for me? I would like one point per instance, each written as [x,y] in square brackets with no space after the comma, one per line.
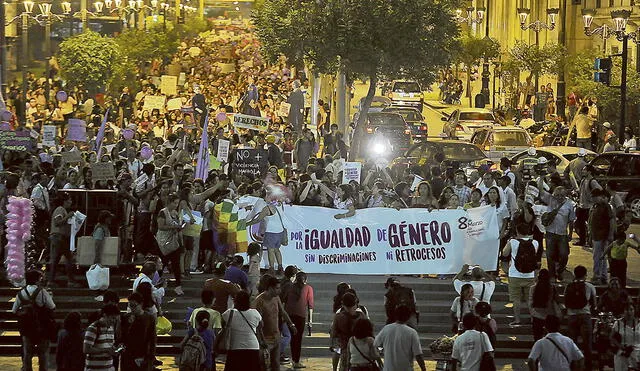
[197,346]
[522,265]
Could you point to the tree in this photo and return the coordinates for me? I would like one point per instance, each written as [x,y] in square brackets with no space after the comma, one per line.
[538,61]
[371,39]
[142,46]
[472,51]
[89,60]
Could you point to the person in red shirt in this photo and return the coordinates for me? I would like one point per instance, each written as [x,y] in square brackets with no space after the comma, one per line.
[299,303]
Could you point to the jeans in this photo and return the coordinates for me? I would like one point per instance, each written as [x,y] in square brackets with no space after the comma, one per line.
[557,253]
[580,325]
[59,247]
[599,260]
[538,328]
[28,349]
[296,341]
[582,215]
[286,337]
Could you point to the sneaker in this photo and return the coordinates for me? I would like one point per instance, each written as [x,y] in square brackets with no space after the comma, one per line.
[178,291]
[284,359]
[196,271]
[299,365]
[515,324]
[99,298]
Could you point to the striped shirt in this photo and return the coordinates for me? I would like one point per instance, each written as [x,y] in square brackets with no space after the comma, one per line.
[100,336]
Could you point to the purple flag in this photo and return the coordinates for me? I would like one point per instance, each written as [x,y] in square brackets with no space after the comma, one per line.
[202,166]
[100,135]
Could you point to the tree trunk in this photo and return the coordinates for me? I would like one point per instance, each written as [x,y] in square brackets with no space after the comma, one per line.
[362,118]
[469,86]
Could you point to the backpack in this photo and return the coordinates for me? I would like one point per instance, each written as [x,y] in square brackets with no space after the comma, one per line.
[483,326]
[526,260]
[404,296]
[28,313]
[575,296]
[193,354]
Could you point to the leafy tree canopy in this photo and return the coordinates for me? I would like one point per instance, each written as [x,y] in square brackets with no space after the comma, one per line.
[537,60]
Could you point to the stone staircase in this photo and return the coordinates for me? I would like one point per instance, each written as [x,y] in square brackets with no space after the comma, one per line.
[434,299]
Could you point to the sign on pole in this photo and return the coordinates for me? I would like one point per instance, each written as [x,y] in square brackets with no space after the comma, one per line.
[77,130]
[250,122]
[223,150]
[49,135]
[250,161]
[152,102]
[169,85]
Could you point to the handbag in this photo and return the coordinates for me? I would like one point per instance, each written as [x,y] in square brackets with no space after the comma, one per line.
[284,241]
[374,366]
[548,217]
[222,342]
[487,362]
[98,277]
[168,242]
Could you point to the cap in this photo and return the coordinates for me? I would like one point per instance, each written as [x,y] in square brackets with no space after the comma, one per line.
[607,125]
[582,152]
[531,151]
[542,161]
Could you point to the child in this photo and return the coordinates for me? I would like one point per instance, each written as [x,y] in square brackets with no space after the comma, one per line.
[617,252]
[101,232]
[253,251]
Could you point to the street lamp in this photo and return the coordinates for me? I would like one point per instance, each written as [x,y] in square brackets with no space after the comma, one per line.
[620,19]
[474,15]
[538,25]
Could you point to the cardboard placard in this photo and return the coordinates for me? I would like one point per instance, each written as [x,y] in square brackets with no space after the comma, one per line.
[174,104]
[351,171]
[169,85]
[227,67]
[71,157]
[15,140]
[103,171]
[250,122]
[152,102]
[284,109]
[250,161]
[87,251]
[77,130]
[226,52]
[49,135]
[223,150]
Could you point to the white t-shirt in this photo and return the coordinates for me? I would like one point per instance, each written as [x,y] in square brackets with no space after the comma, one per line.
[401,345]
[513,272]
[489,288]
[550,357]
[242,336]
[469,306]
[468,349]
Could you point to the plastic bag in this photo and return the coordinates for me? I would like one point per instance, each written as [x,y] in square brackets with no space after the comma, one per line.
[163,326]
[98,277]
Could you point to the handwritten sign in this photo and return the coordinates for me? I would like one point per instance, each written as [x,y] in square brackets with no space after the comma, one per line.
[103,171]
[226,52]
[250,122]
[49,135]
[351,171]
[71,157]
[15,140]
[227,67]
[77,130]
[250,162]
[152,102]
[174,104]
[284,109]
[223,150]
[168,85]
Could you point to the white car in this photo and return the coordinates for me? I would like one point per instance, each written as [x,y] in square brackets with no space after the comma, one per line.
[501,141]
[406,94]
[463,122]
[560,156]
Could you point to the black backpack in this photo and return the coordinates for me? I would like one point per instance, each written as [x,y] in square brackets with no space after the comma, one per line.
[483,326]
[575,295]
[29,313]
[526,260]
[404,296]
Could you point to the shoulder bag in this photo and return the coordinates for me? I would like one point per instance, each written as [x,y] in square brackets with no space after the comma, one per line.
[285,235]
[564,354]
[487,362]
[222,343]
[374,366]
[548,217]
[168,240]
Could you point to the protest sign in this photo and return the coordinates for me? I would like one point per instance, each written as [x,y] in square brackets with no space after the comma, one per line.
[71,157]
[49,135]
[250,161]
[152,102]
[351,171]
[174,104]
[226,52]
[182,78]
[226,67]
[250,122]
[223,150]
[77,130]
[34,134]
[386,241]
[15,140]
[169,85]
[284,109]
[103,171]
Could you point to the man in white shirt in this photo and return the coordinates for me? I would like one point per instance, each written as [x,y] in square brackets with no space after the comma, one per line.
[511,200]
[483,284]
[505,166]
[469,347]
[400,342]
[554,351]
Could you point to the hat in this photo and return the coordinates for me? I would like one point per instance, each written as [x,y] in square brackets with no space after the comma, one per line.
[607,125]
[582,152]
[531,151]
[542,161]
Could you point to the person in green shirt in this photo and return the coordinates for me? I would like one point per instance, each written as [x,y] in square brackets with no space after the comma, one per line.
[617,252]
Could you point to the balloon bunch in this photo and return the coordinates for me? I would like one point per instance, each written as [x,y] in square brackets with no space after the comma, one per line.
[18,232]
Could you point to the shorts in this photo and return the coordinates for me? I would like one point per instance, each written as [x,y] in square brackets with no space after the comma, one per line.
[516,286]
[272,240]
[188,242]
[206,241]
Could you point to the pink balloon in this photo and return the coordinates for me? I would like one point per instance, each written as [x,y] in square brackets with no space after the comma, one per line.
[61,96]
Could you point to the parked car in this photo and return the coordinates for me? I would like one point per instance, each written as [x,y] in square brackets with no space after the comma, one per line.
[466,154]
[414,118]
[623,169]
[387,134]
[501,141]
[560,156]
[464,121]
[406,93]
[377,105]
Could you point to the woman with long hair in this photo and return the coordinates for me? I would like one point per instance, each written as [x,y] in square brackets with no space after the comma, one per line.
[299,304]
[245,327]
[149,304]
[70,340]
[445,196]
[424,197]
[169,238]
[543,300]
[363,355]
[463,304]
[626,337]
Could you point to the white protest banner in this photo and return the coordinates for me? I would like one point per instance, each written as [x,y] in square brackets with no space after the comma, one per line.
[169,85]
[387,241]
[77,130]
[152,102]
[174,104]
[351,171]
[223,150]
[250,122]
[34,134]
[103,171]
[284,109]
[49,136]
[416,180]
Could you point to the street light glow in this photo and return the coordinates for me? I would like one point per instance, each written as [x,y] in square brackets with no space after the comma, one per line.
[587,17]
[98,5]
[28,6]
[66,7]
[523,14]
[620,19]
[45,9]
